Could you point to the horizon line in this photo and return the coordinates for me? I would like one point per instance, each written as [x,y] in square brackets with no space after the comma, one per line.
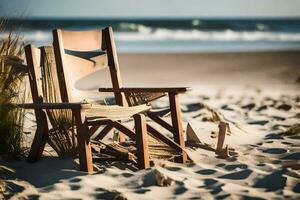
[156,18]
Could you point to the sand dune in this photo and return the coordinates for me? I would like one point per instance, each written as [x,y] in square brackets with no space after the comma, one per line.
[256,93]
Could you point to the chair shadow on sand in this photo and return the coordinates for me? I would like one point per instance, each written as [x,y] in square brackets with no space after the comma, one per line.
[41,174]
[53,170]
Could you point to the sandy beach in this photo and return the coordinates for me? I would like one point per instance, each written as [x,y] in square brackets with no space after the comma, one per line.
[256,93]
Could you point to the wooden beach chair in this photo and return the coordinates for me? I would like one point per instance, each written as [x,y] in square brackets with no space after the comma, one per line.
[85,118]
[69,44]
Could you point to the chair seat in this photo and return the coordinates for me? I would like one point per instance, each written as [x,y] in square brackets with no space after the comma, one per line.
[100,112]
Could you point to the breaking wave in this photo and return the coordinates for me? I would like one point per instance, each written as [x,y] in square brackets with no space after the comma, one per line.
[146,33]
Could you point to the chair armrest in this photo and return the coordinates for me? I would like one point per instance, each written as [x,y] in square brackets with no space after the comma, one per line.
[73,106]
[147,90]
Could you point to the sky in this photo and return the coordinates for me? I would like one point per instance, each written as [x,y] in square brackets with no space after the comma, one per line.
[149,8]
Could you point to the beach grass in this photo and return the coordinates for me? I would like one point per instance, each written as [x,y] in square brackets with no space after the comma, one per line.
[12,91]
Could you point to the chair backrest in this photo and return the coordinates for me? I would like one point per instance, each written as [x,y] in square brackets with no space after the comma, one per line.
[43,83]
[33,59]
[42,74]
[80,53]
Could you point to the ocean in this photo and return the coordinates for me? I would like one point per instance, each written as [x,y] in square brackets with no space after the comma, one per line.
[175,35]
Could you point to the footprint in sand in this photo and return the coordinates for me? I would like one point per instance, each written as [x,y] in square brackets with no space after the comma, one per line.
[106,194]
[127,175]
[206,171]
[273,136]
[276,161]
[142,191]
[238,175]
[295,137]
[226,107]
[285,107]
[75,180]
[287,143]
[233,167]
[278,118]
[173,168]
[33,196]
[213,186]
[221,165]
[75,187]
[293,156]
[261,108]
[275,150]
[269,142]
[210,181]
[296,189]
[249,106]
[268,182]
[246,197]
[193,107]
[180,189]
[258,122]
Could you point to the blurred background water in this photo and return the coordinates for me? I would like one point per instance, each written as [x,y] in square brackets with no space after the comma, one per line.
[175,35]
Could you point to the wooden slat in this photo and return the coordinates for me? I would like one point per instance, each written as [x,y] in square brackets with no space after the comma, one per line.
[104,132]
[165,89]
[221,136]
[113,63]
[59,60]
[161,112]
[141,141]
[160,121]
[33,59]
[84,144]
[163,138]
[177,125]
[138,98]
[108,44]
[82,40]
[51,106]
[39,141]
[124,130]
[93,129]
[99,122]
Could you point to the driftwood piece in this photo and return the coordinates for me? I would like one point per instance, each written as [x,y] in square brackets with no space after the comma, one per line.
[222,153]
[191,136]
[113,152]
[221,136]
[162,179]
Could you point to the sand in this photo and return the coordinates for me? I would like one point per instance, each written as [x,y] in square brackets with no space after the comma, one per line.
[256,93]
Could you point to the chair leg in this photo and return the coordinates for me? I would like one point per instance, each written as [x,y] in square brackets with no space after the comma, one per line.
[141,141]
[177,125]
[39,140]
[84,145]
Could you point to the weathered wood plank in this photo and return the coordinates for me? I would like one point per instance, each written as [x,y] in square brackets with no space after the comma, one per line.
[160,121]
[177,125]
[124,130]
[163,138]
[104,132]
[39,140]
[84,145]
[221,136]
[93,129]
[166,89]
[33,63]
[141,141]
[52,106]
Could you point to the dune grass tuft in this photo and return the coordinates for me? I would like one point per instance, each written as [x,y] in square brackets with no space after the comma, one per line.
[12,91]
